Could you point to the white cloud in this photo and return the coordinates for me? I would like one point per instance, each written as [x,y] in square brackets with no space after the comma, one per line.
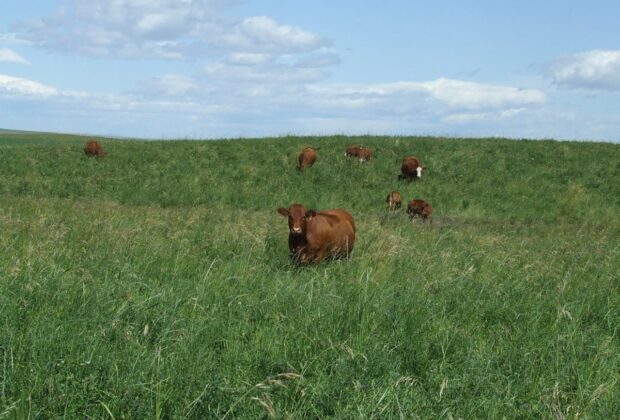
[168,29]
[470,95]
[596,69]
[441,94]
[16,87]
[230,100]
[249,59]
[10,56]
[261,33]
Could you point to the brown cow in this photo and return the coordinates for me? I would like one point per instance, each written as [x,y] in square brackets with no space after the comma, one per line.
[394,200]
[93,148]
[420,208]
[314,236]
[412,168]
[306,158]
[352,151]
[364,154]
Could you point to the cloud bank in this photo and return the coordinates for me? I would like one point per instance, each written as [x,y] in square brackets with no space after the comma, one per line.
[161,29]
[592,70]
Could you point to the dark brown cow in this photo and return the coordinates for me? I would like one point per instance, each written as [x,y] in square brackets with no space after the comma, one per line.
[420,208]
[93,148]
[412,168]
[394,200]
[306,158]
[352,151]
[314,236]
[364,154]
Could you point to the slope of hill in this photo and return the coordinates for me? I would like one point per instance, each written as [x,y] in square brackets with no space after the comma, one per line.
[156,282]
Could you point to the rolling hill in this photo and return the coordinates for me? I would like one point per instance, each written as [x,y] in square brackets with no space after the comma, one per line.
[156,282]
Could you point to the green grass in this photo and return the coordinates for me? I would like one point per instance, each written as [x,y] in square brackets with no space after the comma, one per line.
[155,283]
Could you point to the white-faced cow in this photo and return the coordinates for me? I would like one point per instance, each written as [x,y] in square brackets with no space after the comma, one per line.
[412,168]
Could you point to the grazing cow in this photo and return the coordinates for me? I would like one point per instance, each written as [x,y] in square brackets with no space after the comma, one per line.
[93,148]
[364,154]
[394,200]
[412,168]
[314,236]
[352,151]
[420,208]
[306,158]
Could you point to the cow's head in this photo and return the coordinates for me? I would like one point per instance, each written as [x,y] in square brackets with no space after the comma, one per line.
[297,218]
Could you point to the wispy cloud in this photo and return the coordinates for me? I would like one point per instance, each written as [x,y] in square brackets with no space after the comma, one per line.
[596,70]
[16,87]
[168,29]
[10,56]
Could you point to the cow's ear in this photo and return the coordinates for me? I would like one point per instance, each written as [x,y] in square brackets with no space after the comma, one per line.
[283,211]
[310,214]
[424,167]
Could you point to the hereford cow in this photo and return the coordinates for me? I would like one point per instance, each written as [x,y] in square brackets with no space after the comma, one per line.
[352,151]
[394,200]
[364,154]
[306,158]
[93,148]
[420,208]
[412,168]
[314,236]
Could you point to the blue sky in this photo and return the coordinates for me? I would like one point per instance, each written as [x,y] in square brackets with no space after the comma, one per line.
[229,68]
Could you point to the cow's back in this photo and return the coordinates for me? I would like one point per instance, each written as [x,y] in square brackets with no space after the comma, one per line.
[331,232]
[306,158]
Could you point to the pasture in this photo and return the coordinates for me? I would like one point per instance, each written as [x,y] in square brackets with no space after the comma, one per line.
[156,282]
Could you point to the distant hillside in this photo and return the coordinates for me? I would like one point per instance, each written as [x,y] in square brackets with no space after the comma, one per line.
[156,282]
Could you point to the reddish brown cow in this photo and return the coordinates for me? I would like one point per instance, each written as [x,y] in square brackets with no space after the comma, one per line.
[314,236]
[93,148]
[306,158]
[352,151]
[364,154]
[394,200]
[420,208]
[412,168]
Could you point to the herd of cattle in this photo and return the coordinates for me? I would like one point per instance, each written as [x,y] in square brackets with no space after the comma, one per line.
[317,235]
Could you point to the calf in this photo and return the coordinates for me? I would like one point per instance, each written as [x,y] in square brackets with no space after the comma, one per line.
[93,148]
[394,200]
[306,158]
[314,236]
[420,208]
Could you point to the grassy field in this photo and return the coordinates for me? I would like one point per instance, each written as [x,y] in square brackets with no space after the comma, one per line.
[155,283]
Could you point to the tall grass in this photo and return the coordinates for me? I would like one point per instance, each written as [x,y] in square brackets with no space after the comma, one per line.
[156,282]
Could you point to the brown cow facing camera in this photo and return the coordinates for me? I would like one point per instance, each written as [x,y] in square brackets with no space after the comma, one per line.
[420,208]
[394,200]
[306,158]
[314,236]
[93,148]
[412,168]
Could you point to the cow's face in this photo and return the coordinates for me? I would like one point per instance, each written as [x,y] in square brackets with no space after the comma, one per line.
[419,170]
[297,217]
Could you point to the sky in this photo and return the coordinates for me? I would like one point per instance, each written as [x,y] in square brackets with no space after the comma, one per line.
[167,69]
